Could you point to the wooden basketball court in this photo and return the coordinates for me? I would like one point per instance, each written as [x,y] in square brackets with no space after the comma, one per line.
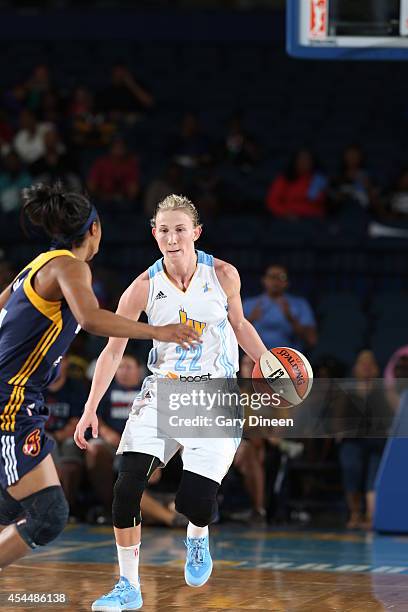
[259,569]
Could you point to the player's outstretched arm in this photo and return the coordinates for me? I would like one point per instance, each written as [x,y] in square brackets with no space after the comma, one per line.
[74,278]
[131,304]
[246,334]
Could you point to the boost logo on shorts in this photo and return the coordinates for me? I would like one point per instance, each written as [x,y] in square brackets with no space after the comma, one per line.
[32,445]
[197,378]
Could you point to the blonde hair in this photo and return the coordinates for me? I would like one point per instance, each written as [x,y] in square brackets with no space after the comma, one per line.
[176,202]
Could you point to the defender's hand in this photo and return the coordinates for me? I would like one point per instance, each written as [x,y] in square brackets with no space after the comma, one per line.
[182,334]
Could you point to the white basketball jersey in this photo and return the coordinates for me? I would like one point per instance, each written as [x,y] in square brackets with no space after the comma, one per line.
[203,306]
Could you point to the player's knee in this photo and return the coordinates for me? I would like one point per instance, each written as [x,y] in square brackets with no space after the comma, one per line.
[197,499]
[10,508]
[46,516]
[127,493]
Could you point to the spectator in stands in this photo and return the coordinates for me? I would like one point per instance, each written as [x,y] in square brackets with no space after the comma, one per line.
[365,411]
[208,190]
[301,191]
[126,98]
[250,457]
[82,102]
[353,186]
[239,146]
[171,181]
[397,201]
[280,318]
[13,102]
[190,147]
[29,140]
[13,178]
[50,110]
[6,133]
[389,372]
[55,163]
[65,399]
[88,127]
[37,87]
[396,376]
[115,176]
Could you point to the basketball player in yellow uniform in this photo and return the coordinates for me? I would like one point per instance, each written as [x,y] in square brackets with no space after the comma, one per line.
[40,313]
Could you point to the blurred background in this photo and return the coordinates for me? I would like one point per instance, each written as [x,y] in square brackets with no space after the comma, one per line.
[299,170]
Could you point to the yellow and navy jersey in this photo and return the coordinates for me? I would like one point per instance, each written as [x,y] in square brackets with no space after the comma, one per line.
[34,334]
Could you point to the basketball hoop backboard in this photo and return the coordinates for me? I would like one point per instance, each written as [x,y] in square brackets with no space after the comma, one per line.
[346,29]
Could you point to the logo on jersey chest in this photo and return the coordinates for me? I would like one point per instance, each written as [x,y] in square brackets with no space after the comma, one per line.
[199,326]
[160,296]
[32,445]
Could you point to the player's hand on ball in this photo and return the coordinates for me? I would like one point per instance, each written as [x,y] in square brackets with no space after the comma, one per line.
[88,419]
[182,334]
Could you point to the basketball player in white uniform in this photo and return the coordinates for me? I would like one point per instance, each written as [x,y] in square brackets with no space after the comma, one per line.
[191,287]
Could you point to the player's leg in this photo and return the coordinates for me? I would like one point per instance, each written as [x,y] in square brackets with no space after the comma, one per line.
[352,465]
[249,461]
[39,496]
[10,509]
[134,472]
[205,465]
[374,450]
[197,499]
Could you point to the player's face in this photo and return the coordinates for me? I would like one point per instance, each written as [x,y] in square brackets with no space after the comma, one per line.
[175,234]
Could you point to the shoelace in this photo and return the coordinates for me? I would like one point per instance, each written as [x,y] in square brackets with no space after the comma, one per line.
[118,588]
[196,551]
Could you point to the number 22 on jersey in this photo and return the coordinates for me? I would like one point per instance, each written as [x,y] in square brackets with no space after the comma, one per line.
[189,357]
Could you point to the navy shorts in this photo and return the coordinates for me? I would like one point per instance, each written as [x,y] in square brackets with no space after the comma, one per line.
[23,449]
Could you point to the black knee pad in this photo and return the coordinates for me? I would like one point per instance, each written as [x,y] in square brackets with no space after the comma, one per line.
[135,470]
[46,516]
[10,508]
[197,498]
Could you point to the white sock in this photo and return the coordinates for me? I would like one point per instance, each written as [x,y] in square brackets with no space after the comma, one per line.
[196,532]
[128,557]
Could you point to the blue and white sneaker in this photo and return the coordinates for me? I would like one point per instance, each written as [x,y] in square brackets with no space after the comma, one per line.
[123,596]
[198,567]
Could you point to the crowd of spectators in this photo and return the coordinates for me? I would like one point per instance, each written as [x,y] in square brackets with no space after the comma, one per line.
[265,464]
[95,140]
[89,139]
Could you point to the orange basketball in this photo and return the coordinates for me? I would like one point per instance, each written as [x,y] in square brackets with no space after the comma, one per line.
[287,372]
